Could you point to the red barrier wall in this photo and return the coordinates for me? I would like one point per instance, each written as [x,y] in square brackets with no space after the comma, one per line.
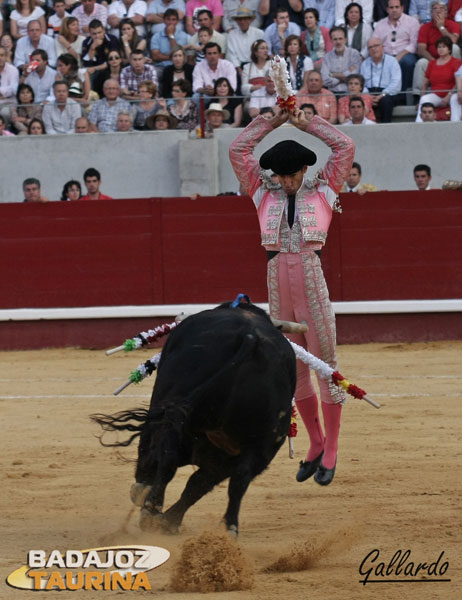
[385,245]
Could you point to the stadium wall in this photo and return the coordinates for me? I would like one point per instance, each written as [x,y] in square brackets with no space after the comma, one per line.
[393,263]
[167,163]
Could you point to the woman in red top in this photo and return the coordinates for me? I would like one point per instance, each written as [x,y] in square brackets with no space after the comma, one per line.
[355,83]
[440,76]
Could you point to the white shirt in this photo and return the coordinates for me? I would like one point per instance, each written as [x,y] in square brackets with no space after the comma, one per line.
[365,121]
[61,121]
[203,75]
[9,80]
[239,44]
[119,9]
[24,49]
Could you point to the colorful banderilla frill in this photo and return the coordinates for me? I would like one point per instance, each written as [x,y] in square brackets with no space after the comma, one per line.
[280,76]
[143,338]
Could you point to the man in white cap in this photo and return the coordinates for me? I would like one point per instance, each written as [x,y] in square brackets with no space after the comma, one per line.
[241,38]
[215,115]
[294,220]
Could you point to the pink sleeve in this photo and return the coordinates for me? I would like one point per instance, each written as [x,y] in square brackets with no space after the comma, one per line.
[189,9]
[338,166]
[244,163]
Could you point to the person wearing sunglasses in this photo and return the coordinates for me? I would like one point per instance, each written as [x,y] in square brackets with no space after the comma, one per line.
[399,33]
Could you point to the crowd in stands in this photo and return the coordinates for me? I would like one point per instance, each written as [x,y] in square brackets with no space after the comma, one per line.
[70,67]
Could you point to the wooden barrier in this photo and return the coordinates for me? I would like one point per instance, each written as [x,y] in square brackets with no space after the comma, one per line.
[385,246]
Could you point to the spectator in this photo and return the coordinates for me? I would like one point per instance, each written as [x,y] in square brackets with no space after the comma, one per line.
[231,7]
[241,38]
[183,110]
[3,130]
[161,121]
[454,11]
[148,105]
[7,42]
[427,112]
[204,36]
[380,8]
[87,12]
[355,85]
[315,38]
[72,190]
[194,7]
[429,34]
[358,32]
[34,40]
[69,40]
[309,110]
[326,11]
[132,9]
[358,112]
[156,10]
[297,63]
[339,62]
[60,115]
[36,127]
[31,189]
[398,33]
[56,19]
[92,180]
[25,12]
[9,79]
[422,177]
[77,79]
[353,182]
[103,113]
[264,97]
[267,112]
[440,75]
[179,69]
[136,72]
[225,97]
[216,117]
[124,121]
[268,8]
[382,75]
[456,99]
[208,71]
[82,125]
[96,48]
[341,9]
[421,10]
[279,30]
[205,19]
[314,93]
[41,77]
[253,73]
[112,71]
[129,40]
[167,39]
[24,111]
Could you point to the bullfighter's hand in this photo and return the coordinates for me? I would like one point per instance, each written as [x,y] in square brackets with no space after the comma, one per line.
[299,119]
[279,119]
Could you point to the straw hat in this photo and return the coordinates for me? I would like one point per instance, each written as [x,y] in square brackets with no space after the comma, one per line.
[244,13]
[172,122]
[217,107]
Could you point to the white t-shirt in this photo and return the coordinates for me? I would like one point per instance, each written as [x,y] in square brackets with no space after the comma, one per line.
[23,21]
[118,8]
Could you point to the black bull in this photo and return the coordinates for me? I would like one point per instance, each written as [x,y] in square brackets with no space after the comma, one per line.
[221,401]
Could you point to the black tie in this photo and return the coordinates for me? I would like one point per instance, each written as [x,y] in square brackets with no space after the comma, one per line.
[291,210]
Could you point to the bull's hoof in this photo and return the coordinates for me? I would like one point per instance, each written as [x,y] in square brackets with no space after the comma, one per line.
[171,528]
[232,530]
[138,493]
[149,521]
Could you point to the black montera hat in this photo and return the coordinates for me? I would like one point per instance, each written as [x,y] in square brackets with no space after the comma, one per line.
[287,157]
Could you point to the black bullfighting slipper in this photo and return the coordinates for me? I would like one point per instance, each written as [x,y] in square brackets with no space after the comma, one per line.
[324,476]
[308,468]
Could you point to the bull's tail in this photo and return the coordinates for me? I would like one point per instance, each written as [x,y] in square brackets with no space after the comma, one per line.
[126,420]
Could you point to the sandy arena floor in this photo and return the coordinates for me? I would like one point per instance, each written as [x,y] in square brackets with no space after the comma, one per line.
[398,483]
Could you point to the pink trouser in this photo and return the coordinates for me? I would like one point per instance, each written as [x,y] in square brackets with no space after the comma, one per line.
[297,291]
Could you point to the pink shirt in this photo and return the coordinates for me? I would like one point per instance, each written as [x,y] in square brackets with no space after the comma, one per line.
[214,6]
[405,34]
